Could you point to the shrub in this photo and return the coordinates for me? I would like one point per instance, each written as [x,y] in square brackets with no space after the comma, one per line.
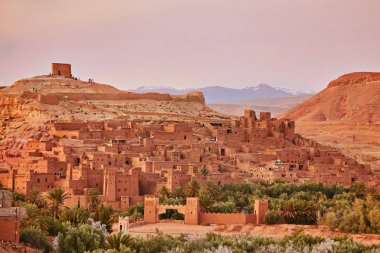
[272,217]
[80,239]
[36,239]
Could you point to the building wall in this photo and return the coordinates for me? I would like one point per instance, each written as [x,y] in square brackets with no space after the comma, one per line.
[9,229]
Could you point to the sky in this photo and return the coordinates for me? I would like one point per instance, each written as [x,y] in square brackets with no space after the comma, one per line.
[295,44]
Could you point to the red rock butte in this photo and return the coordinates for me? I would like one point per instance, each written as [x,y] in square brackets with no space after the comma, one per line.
[352,98]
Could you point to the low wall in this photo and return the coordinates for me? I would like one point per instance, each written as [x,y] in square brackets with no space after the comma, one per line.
[9,229]
[227,218]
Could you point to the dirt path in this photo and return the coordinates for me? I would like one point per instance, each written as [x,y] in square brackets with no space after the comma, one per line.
[276,231]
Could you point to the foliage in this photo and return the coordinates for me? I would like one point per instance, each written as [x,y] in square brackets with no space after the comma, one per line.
[80,239]
[115,241]
[92,200]
[135,213]
[203,171]
[35,197]
[272,217]
[192,189]
[56,197]
[35,238]
[297,211]
[104,214]
[74,216]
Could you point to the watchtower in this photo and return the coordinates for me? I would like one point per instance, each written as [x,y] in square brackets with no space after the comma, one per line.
[192,211]
[61,69]
[151,204]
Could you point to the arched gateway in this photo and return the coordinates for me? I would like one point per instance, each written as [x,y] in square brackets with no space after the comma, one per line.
[152,210]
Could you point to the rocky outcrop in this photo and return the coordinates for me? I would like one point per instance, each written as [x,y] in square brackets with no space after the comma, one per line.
[353,98]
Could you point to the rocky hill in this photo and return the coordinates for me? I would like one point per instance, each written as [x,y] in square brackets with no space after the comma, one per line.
[345,115]
[353,98]
[29,105]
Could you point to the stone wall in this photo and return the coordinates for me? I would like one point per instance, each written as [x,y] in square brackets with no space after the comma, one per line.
[9,229]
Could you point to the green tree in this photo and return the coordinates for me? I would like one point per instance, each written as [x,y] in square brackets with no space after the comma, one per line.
[115,241]
[35,238]
[164,193]
[178,193]
[80,239]
[35,218]
[299,212]
[205,200]
[203,171]
[374,220]
[192,189]
[272,217]
[330,220]
[56,197]
[35,197]
[92,200]
[104,214]
[75,215]
[211,189]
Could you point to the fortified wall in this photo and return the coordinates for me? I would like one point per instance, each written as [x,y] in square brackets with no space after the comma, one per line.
[194,216]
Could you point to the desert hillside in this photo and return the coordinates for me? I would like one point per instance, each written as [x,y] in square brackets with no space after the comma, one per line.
[345,115]
[353,98]
[28,106]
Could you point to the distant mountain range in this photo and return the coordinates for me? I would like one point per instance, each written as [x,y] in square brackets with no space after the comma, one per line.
[218,94]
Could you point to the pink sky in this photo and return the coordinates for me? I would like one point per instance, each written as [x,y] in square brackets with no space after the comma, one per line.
[299,44]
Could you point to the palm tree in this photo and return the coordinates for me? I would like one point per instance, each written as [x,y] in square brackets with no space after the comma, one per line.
[178,193]
[35,197]
[205,200]
[164,192]
[104,214]
[75,215]
[92,200]
[192,189]
[57,197]
[115,241]
[298,212]
[210,188]
[34,217]
[204,171]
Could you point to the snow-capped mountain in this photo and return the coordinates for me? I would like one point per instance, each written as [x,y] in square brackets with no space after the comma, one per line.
[219,94]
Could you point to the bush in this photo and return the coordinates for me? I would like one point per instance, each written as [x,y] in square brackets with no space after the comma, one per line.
[81,239]
[36,239]
[272,217]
